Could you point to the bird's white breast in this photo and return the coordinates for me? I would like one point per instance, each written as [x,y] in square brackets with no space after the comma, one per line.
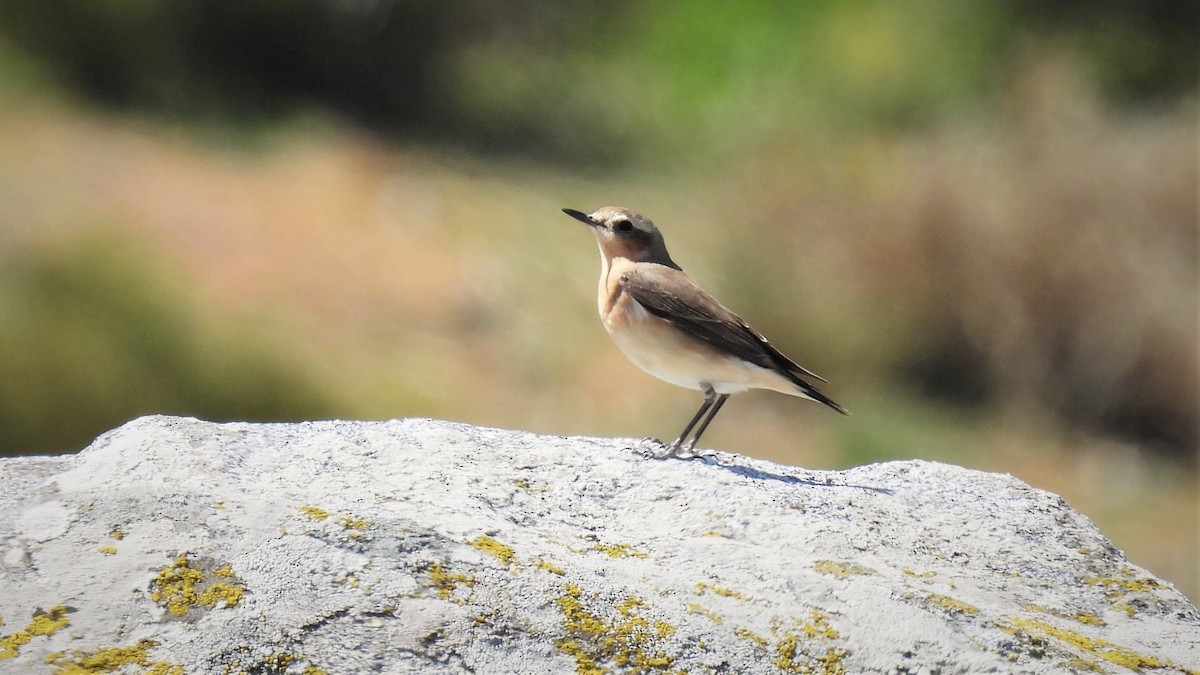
[662,349]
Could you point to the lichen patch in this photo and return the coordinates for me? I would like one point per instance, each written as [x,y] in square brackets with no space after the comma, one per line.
[188,584]
[43,624]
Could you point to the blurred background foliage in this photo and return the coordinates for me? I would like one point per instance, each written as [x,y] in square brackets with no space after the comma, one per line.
[977,219]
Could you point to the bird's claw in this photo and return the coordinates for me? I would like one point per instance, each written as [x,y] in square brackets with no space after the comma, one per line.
[648,448]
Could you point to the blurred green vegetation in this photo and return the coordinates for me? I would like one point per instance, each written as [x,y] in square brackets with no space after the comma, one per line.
[977,218]
[92,335]
[592,81]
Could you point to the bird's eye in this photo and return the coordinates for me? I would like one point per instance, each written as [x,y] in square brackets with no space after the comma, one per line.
[623,226]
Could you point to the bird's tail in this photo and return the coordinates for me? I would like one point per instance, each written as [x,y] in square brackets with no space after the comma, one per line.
[815,394]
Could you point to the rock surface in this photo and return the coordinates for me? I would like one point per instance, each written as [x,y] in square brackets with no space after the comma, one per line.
[173,545]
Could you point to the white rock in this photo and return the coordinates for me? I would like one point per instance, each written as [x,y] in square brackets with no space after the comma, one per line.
[424,546]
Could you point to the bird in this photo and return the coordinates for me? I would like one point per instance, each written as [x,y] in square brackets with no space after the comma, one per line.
[670,327]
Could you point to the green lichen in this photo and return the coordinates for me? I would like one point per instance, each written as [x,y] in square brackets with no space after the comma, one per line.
[183,585]
[111,660]
[629,642]
[502,552]
[619,550]
[839,569]
[1089,647]
[43,624]
[445,582]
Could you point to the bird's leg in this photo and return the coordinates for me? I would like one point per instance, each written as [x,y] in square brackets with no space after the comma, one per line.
[712,412]
[709,397]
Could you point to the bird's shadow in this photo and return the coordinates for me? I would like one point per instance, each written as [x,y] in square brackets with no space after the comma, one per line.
[756,474]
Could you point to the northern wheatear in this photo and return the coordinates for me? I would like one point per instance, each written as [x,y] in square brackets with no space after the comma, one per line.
[671,328]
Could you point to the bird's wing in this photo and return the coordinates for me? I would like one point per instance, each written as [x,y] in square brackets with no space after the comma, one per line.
[670,295]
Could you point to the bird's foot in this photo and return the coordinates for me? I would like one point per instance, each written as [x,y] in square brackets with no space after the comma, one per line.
[650,448]
[678,451]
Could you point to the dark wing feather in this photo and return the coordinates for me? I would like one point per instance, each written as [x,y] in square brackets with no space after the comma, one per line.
[672,296]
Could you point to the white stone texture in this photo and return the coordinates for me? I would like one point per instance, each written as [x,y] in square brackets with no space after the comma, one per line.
[426,546]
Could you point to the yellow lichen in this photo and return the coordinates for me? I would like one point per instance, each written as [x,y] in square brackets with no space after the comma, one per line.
[750,635]
[180,586]
[43,624]
[1078,665]
[230,594]
[275,662]
[628,642]
[838,569]
[108,550]
[445,582]
[551,568]
[1094,647]
[1082,617]
[502,552]
[725,592]
[48,623]
[619,550]
[946,603]
[313,512]
[813,653]
[1116,588]
[694,608]
[112,659]
[1127,583]
[117,534]
[356,527]
[350,523]
[526,486]
[278,661]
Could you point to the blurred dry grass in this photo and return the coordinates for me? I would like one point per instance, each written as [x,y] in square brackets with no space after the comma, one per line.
[958,288]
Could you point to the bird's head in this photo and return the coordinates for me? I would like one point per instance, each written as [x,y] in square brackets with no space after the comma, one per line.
[623,233]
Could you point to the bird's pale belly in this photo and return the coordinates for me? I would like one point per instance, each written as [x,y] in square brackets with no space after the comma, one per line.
[659,348]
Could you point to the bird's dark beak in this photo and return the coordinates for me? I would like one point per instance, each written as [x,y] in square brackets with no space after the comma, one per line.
[581,217]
